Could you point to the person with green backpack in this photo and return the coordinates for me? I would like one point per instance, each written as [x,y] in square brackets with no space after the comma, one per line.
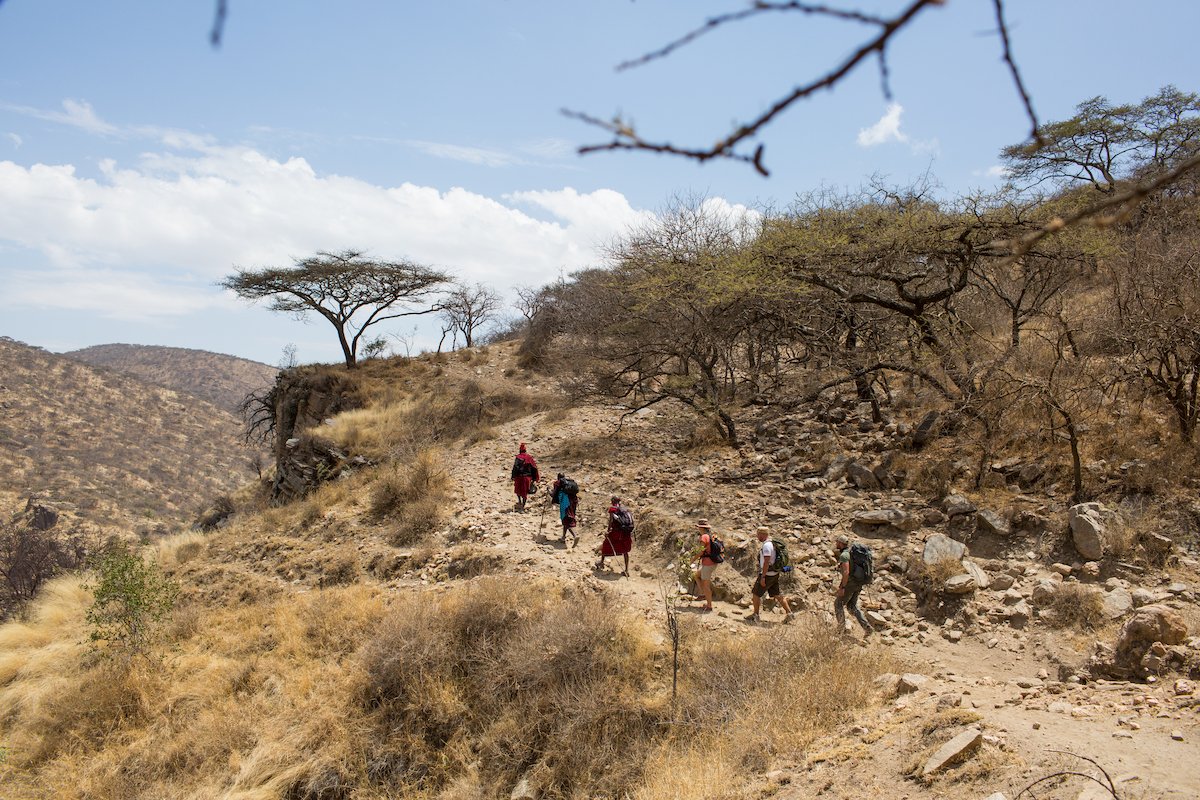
[856,568]
[772,562]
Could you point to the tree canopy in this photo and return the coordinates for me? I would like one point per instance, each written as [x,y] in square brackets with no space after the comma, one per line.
[350,290]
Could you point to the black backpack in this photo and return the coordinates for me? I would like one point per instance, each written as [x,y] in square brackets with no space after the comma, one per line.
[623,520]
[716,550]
[522,468]
[862,563]
[569,487]
[782,562]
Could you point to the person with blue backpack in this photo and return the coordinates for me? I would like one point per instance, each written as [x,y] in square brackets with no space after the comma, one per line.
[855,570]
[712,554]
[565,494]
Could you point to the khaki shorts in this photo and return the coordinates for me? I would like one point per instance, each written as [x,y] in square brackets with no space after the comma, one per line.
[706,571]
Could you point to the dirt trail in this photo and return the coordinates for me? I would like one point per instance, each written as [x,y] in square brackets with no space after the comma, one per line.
[1127,728]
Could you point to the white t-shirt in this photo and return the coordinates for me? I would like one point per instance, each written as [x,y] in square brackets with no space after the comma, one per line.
[767,552]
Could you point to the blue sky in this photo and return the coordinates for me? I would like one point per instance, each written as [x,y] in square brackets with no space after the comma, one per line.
[138,164]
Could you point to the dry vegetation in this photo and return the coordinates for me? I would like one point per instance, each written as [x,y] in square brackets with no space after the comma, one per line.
[216,378]
[107,448]
[343,693]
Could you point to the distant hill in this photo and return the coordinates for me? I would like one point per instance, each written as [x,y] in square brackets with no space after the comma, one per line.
[220,379]
[109,448]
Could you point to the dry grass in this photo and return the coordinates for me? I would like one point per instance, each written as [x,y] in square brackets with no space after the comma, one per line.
[1076,606]
[414,496]
[334,694]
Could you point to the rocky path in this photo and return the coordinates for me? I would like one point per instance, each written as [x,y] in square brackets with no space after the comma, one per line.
[1146,736]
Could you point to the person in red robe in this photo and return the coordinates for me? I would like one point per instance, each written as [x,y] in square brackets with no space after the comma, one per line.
[524,475]
[618,540]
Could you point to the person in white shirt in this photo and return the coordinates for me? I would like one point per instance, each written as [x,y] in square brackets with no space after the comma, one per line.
[767,580]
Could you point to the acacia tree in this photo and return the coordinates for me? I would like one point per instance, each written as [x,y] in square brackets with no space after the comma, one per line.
[352,292]
[1104,144]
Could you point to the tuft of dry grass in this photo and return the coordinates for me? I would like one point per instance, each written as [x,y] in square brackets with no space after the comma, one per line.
[1076,606]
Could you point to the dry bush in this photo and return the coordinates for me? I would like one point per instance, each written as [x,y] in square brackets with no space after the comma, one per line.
[704,436]
[470,561]
[1076,606]
[539,683]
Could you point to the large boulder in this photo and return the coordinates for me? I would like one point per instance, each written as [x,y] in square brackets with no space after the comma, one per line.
[1090,523]
[1148,625]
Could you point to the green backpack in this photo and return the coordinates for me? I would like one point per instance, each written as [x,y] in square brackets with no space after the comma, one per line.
[783,562]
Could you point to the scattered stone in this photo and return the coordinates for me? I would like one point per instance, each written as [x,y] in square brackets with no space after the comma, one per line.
[1183,687]
[993,523]
[982,579]
[862,477]
[1061,569]
[1117,603]
[948,701]
[959,584]
[955,750]
[1177,735]
[911,682]
[957,505]
[940,547]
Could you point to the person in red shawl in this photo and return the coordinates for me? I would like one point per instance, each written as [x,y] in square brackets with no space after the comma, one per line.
[618,540]
[524,475]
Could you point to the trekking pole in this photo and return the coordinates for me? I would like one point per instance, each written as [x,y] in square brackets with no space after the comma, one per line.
[542,522]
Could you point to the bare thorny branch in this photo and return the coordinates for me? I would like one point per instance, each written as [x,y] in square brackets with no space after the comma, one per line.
[625,137]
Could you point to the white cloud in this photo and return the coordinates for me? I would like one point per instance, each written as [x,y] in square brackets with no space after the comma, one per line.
[15,139]
[112,294]
[996,171]
[472,155]
[887,129]
[152,237]
[76,113]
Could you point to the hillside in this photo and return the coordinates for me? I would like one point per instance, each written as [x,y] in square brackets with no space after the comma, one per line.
[107,448]
[402,632]
[220,379]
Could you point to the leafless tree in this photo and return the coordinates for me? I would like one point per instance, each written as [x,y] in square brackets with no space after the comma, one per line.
[465,309]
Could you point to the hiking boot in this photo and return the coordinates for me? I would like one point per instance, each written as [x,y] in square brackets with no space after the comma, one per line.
[753,619]
[788,617]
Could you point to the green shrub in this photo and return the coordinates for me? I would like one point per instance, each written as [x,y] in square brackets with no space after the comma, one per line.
[131,598]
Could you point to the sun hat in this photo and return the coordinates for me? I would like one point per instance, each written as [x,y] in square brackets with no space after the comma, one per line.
[703,523]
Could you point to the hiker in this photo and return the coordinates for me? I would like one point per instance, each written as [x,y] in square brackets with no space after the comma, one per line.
[848,588]
[710,557]
[618,539]
[524,475]
[565,494]
[767,580]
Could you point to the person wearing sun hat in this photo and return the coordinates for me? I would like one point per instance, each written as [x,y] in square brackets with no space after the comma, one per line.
[710,557]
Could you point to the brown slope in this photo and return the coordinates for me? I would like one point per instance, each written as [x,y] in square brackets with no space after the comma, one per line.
[220,379]
[110,448]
